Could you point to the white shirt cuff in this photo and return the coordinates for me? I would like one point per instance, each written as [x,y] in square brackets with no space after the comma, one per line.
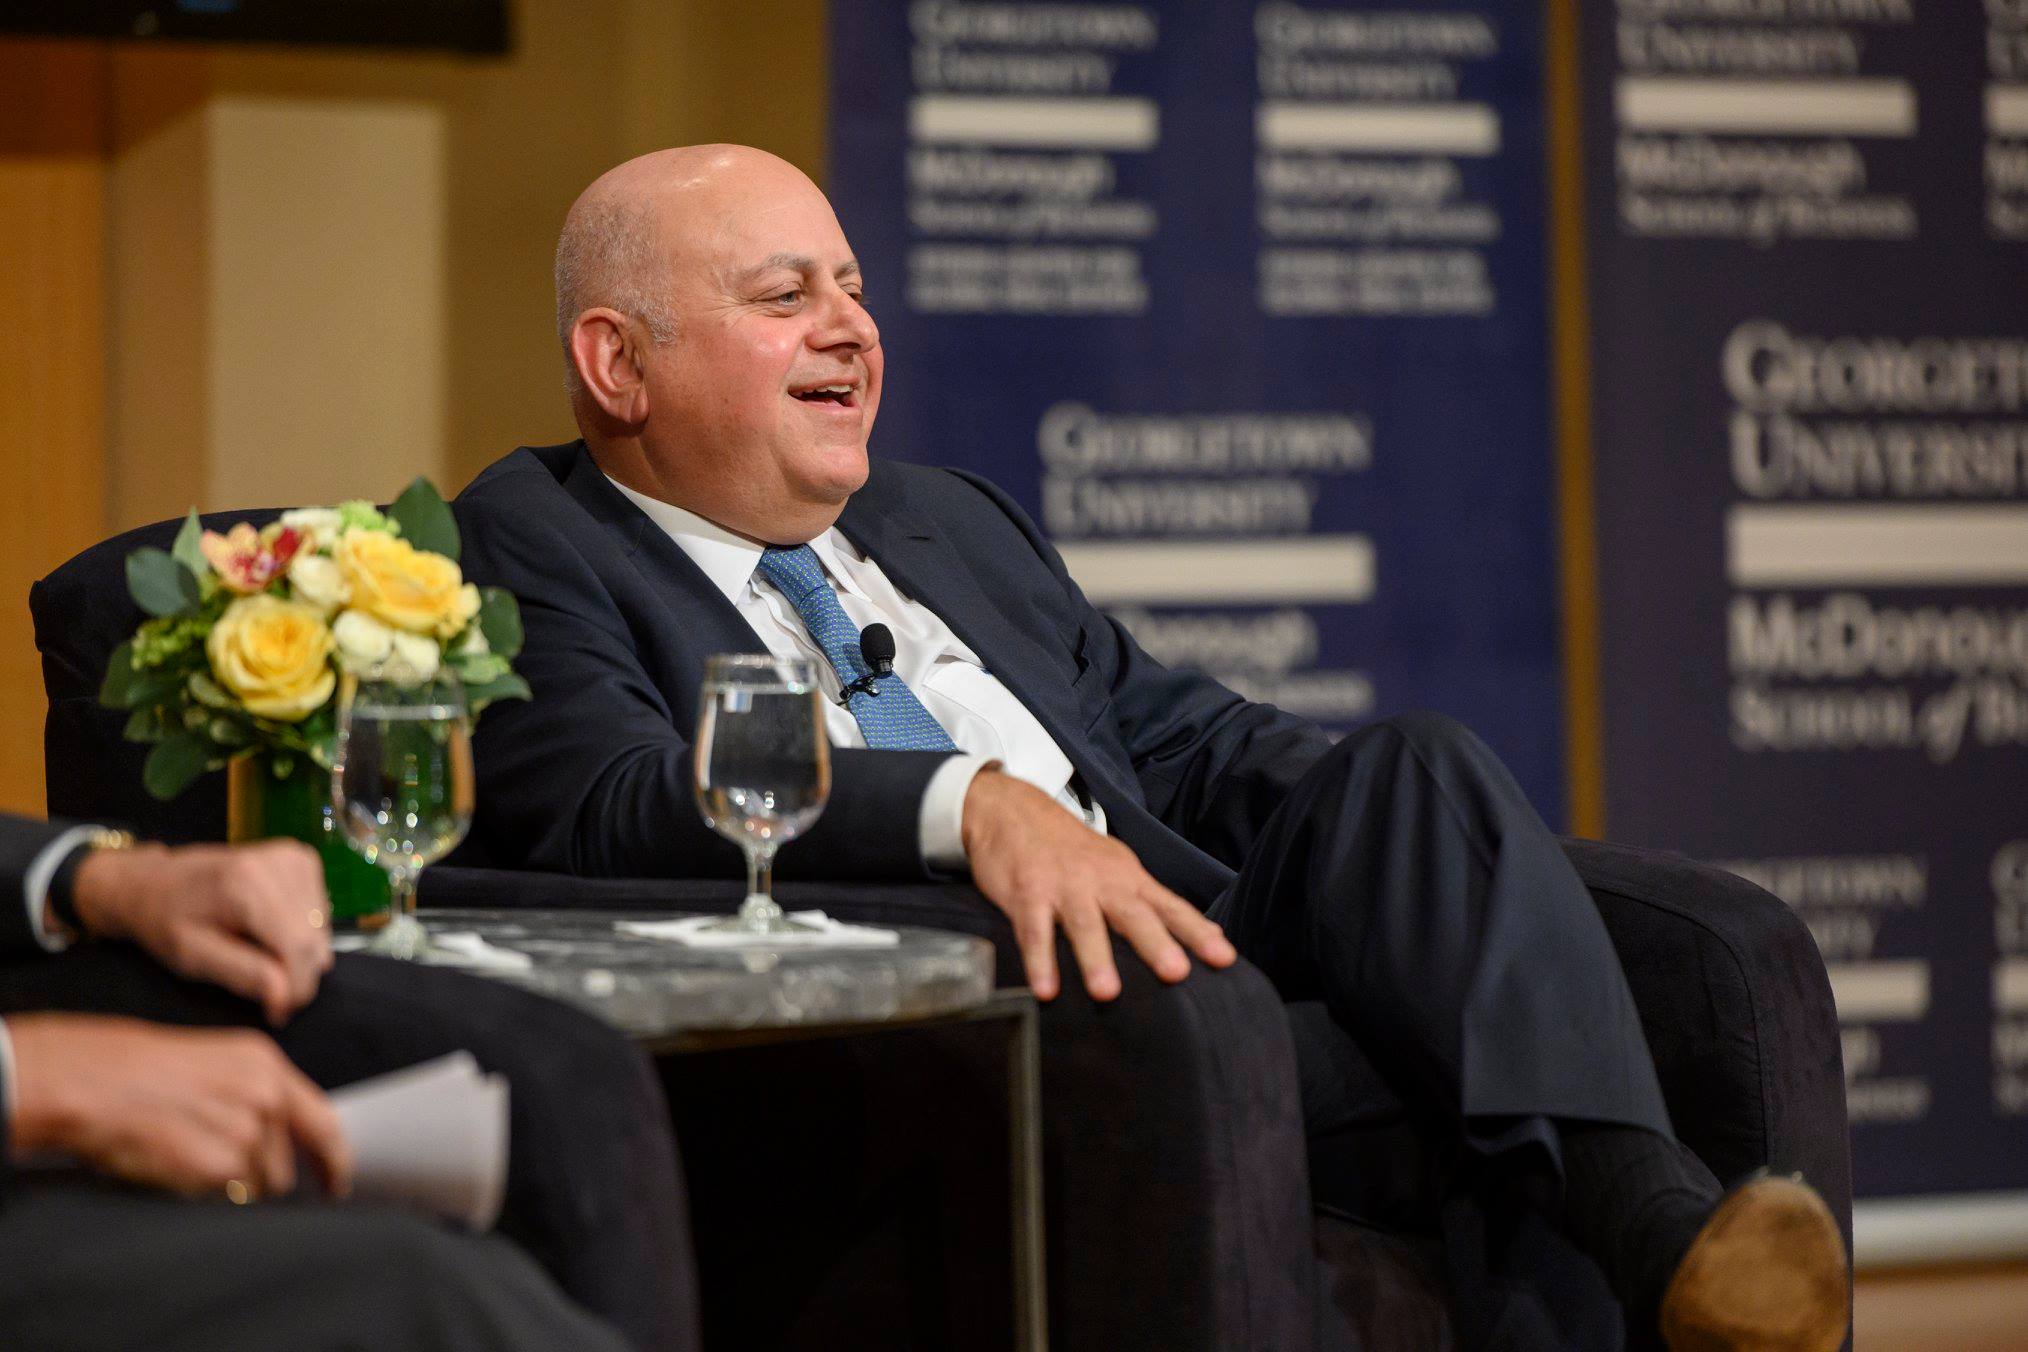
[7,1078]
[941,823]
[35,886]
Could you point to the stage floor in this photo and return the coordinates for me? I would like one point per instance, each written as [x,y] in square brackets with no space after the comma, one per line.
[1973,1309]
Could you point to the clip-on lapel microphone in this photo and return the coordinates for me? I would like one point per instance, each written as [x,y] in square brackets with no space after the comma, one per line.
[876,649]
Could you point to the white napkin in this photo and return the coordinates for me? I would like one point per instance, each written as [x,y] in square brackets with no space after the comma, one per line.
[464,948]
[694,931]
[433,1136]
[452,948]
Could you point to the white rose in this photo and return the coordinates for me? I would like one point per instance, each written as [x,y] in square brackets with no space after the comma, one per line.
[320,527]
[318,581]
[363,643]
[473,644]
[413,661]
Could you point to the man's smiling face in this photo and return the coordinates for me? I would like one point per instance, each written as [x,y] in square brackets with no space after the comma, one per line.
[760,408]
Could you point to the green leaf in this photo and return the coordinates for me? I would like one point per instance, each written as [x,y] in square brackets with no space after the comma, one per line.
[499,619]
[187,551]
[120,677]
[481,669]
[426,522]
[154,688]
[127,687]
[144,725]
[208,692]
[174,763]
[509,686]
[161,585]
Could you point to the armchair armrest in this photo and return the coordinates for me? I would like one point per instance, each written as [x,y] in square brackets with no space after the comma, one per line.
[1738,1012]
[1176,1191]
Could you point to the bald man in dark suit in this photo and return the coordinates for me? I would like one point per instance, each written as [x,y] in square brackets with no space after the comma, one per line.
[725,370]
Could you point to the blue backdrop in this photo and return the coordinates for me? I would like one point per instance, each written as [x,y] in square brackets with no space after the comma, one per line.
[1809,245]
[1245,304]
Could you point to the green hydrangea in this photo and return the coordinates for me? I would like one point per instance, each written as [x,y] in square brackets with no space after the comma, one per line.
[161,642]
[363,515]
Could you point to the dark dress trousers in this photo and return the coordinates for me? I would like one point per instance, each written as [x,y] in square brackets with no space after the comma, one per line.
[593,1203]
[1398,876]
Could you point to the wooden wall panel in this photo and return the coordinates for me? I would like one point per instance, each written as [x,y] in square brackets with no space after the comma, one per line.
[158,260]
[52,367]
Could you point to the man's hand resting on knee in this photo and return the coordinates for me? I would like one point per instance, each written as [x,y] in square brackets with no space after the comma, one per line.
[1045,868]
[189,1110]
[251,918]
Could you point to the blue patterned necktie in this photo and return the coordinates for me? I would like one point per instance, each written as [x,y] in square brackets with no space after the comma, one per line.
[894,719]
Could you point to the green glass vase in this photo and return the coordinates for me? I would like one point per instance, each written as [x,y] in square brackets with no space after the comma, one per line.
[267,797]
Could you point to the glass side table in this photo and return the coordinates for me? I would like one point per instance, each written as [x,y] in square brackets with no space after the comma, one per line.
[675,1001]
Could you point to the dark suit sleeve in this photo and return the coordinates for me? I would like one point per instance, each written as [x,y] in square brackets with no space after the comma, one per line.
[594,775]
[1212,765]
[21,840]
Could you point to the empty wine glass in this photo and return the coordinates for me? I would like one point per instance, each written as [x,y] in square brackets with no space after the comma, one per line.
[763,769]
[402,789]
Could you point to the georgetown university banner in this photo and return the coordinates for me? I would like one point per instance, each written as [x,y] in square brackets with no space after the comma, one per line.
[1808,234]
[1244,303]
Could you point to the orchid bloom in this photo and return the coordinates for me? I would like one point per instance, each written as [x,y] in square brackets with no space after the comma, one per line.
[245,561]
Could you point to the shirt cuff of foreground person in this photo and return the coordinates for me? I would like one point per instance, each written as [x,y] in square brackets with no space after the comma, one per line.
[35,886]
[941,822]
[7,1078]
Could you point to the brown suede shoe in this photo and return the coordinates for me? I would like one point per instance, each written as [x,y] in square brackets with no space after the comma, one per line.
[1767,1273]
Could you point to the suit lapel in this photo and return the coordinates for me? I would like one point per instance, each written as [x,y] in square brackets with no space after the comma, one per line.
[702,621]
[920,560]
[913,553]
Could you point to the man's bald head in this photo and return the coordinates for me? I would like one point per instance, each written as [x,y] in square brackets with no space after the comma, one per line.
[756,415]
[615,247]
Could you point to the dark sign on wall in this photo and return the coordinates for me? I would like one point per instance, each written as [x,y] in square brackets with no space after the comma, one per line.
[1808,233]
[1245,304]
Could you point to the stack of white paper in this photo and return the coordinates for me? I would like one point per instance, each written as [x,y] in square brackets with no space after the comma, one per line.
[433,1136]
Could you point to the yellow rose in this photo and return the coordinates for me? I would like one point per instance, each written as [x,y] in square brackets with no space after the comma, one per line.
[405,587]
[274,655]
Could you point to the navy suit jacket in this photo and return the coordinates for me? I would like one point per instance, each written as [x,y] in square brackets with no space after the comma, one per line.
[594,775]
[21,840]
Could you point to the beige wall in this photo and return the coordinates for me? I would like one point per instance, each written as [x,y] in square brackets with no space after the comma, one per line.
[156,241]
[253,276]
[330,210]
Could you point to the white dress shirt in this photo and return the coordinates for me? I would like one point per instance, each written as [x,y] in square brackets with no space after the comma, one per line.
[982,716]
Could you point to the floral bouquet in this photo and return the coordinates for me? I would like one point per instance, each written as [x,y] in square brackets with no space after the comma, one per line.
[251,631]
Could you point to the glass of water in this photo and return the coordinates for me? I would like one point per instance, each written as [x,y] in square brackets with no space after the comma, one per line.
[763,769]
[402,788]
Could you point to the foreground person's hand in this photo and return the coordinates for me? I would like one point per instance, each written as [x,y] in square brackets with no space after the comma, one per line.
[185,1109]
[1045,868]
[251,918]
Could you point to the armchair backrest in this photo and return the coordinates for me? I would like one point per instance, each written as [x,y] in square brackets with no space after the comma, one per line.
[91,771]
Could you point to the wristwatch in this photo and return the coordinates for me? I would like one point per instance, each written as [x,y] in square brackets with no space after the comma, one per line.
[62,901]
